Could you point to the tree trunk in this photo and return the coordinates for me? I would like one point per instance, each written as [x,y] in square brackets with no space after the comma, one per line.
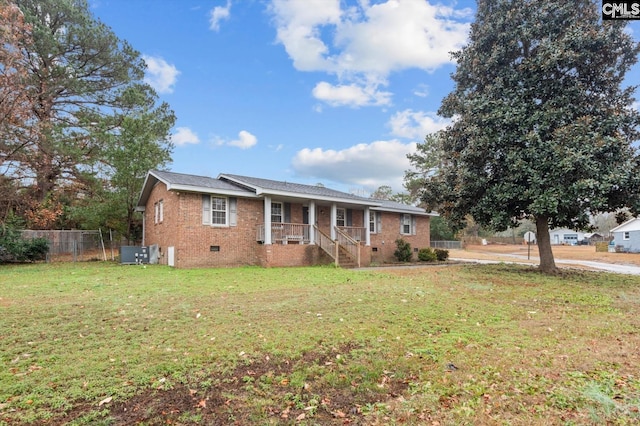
[547,263]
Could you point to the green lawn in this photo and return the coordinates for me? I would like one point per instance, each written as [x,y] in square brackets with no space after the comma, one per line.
[96,343]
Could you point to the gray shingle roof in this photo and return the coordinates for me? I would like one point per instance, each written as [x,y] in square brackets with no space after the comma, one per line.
[251,186]
[195,181]
[267,185]
[388,205]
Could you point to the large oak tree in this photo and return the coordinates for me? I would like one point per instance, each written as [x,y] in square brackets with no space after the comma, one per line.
[542,125]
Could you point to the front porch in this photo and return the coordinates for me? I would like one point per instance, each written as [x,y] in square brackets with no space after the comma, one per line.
[337,229]
[300,233]
[344,250]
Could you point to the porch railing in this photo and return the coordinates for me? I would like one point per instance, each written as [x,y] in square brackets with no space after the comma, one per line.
[285,233]
[355,232]
[349,244]
[326,243]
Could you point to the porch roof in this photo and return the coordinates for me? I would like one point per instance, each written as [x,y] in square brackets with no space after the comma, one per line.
[297,190]
[392,206]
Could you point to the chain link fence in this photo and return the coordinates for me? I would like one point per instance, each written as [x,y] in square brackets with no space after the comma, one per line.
[78,245]
[446,244]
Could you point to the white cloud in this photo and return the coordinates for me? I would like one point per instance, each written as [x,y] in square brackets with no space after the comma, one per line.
[422,91]
[350,95]
[366,165]
[416,124]
[245,140]
[218,14]
[399,34]
[366,43]
[160,75]
[298,27]
[184,136]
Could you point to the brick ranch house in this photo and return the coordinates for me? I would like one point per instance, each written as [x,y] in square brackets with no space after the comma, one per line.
[233,220]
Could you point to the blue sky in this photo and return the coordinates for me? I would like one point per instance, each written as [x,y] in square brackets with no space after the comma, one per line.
[311,91]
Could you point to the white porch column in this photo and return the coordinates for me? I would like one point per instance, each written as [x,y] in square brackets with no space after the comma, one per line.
[334,220]
[312,222]
[367,227]
[267,219]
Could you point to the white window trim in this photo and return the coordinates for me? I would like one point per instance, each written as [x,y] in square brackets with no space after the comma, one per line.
[226,211]
[406,216]
[373,222]
[158,214]
[231,212]
[344,216]
[626,236]
[281,204]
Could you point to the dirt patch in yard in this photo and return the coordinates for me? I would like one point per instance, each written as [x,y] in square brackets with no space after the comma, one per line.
[256,390]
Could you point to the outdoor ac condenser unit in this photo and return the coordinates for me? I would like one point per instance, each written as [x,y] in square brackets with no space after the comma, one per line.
[132,255]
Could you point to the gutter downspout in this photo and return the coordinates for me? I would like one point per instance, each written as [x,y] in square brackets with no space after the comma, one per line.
[267,219]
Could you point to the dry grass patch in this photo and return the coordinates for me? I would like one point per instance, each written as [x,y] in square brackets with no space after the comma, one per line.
[113,345]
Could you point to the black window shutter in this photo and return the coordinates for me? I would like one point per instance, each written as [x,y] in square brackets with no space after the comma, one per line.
[287,212]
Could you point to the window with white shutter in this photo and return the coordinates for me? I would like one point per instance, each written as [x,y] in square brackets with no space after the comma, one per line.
[406,224]
[206,209]
[217,211]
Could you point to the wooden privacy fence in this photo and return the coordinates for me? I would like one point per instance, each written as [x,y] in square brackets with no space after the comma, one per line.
[77,245]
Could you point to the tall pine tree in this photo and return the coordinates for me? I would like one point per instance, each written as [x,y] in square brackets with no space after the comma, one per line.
[84,83]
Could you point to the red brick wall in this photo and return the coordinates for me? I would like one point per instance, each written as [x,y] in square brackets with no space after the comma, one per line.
[277,255]
[237,244]
[165,233]
[182,228]
[385,241]
[324,218]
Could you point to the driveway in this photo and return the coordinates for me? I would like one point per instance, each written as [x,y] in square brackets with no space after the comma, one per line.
[567,263]
[610,262]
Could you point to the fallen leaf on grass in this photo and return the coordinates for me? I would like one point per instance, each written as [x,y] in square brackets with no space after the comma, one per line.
[285,413]
[105,401]
[339,414]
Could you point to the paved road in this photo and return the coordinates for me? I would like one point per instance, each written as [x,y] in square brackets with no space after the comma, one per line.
[599,266]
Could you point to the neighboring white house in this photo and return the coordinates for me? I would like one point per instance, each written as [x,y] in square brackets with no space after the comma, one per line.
[627,236]
[566,236]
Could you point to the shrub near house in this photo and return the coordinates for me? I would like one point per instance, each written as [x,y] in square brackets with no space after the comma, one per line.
[14,248]
[432,255]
